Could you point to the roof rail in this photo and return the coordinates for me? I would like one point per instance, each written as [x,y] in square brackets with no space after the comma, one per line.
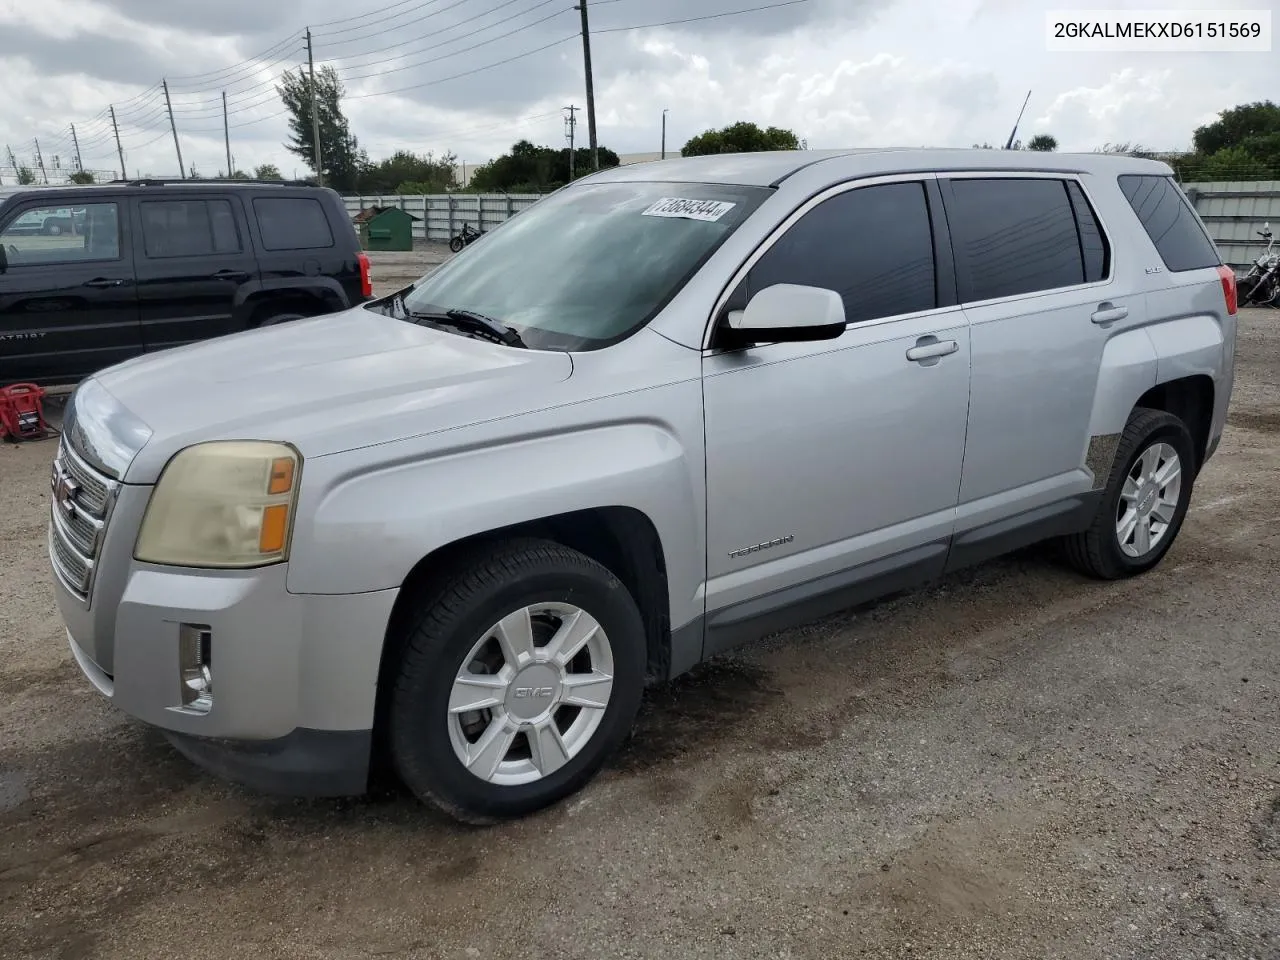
[221,181]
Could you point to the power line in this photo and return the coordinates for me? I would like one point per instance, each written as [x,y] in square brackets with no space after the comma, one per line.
[411,40]
[398,26]
[710,16]
[465,73]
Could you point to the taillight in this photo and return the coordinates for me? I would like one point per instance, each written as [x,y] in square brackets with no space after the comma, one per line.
[1228,288]
[366,277]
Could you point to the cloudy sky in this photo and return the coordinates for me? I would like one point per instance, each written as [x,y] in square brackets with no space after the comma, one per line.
[429,75]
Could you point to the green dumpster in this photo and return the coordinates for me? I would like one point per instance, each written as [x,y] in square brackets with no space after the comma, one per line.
[385,228]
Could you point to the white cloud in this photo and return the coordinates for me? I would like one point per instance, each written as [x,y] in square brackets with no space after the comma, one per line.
[913,72]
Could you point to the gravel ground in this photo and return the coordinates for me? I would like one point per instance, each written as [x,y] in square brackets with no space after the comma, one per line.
[1014,763]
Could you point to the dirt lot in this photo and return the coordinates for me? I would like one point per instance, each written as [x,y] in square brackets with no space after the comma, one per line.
[1015,763]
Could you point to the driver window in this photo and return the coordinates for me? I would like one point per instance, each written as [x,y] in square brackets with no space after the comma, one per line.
[872,245]
[54,235]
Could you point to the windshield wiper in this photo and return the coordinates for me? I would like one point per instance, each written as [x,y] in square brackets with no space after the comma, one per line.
[467,321]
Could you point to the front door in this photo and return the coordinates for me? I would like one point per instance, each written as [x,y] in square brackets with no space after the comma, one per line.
[833,468]
[68,303]
[194,262]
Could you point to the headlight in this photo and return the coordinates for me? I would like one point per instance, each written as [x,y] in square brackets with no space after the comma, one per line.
[228,503]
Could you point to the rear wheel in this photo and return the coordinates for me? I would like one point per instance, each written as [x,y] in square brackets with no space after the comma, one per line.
[516,682]
[455,244]
[1145,500]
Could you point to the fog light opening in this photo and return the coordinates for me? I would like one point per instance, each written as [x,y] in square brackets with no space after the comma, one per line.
[195,663]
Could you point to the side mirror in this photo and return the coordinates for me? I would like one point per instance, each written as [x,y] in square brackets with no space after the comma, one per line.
[786,313]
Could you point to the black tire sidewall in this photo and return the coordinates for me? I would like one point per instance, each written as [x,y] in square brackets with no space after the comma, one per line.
[1171,431]
[456,245]
[419,735]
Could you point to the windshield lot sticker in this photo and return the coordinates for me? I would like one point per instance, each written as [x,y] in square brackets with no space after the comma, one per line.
[707,210]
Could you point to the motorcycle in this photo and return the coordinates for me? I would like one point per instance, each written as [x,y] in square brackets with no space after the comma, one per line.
[1261,285]
[467,236]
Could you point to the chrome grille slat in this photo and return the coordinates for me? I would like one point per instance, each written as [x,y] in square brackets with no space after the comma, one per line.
[77,522]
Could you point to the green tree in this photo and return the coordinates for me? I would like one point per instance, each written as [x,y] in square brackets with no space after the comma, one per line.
[1253,127]
[1228,163]
[83,177]
[1043,143]
[741,137]
[528,168]
[26,176]
[267,171]
[340,153]
[425,174]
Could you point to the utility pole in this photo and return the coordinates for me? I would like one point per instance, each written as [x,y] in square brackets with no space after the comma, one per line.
[40,162]
[182,171]
[591,93]
[74,140]
[124,174]
[315,113]
[226,135]
[570,123]
[664,133]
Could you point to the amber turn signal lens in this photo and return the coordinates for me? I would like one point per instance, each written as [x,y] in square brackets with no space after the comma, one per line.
[275,524]
[281,476]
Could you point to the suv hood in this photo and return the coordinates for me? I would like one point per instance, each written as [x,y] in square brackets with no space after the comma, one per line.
[324,384]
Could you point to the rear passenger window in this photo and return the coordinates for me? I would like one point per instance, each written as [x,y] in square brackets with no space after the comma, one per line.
[1013,236]
[871,245]
[1170,222]
[292,223]
[188,228]
[1093,244]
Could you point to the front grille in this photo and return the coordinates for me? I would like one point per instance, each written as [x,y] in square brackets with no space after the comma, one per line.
[82,501]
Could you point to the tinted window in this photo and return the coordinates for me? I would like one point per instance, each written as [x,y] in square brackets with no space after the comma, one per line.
[1012,237]
[188,228]
[1171,224]
[63,234]
[1093,244]
[872,245]
[292,223]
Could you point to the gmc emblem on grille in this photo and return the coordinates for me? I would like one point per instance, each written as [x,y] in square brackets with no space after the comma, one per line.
[64,491]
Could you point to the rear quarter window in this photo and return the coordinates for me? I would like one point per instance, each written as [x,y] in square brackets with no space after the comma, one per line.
[1167,216]
[292,223]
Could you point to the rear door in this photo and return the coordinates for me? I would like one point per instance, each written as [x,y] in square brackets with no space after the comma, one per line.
[300,248]
[1034,273]
[68,302]
[194,262]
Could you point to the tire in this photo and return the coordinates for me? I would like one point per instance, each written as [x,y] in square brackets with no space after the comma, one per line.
[456,244]
[456,632]
[1100,551]
[53,229]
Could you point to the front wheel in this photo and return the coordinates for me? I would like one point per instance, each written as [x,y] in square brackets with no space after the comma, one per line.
[1144,502]
[516,682]
[455,244]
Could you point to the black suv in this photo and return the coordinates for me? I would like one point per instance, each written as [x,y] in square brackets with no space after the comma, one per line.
[92,275]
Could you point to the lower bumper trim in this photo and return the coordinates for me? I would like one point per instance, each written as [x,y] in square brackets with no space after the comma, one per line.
[305,763]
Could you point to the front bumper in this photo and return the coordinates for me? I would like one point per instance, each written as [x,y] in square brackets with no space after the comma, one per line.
[294,677]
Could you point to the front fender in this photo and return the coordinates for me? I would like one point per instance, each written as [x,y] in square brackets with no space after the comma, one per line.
[364,526]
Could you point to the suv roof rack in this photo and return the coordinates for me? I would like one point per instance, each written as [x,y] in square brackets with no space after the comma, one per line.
[220,181]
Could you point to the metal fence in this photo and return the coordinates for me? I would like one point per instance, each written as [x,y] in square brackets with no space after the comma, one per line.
[1234,212]
[441,216]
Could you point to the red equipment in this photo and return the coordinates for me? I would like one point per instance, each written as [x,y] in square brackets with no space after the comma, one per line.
[22,413]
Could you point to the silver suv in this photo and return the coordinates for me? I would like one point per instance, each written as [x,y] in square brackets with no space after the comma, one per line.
[668,409]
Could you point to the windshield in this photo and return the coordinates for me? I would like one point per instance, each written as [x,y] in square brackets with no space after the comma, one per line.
[590,265]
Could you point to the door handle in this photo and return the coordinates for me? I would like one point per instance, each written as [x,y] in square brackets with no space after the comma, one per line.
[100,282]
[231,275]
[1108,313]
[930,348]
